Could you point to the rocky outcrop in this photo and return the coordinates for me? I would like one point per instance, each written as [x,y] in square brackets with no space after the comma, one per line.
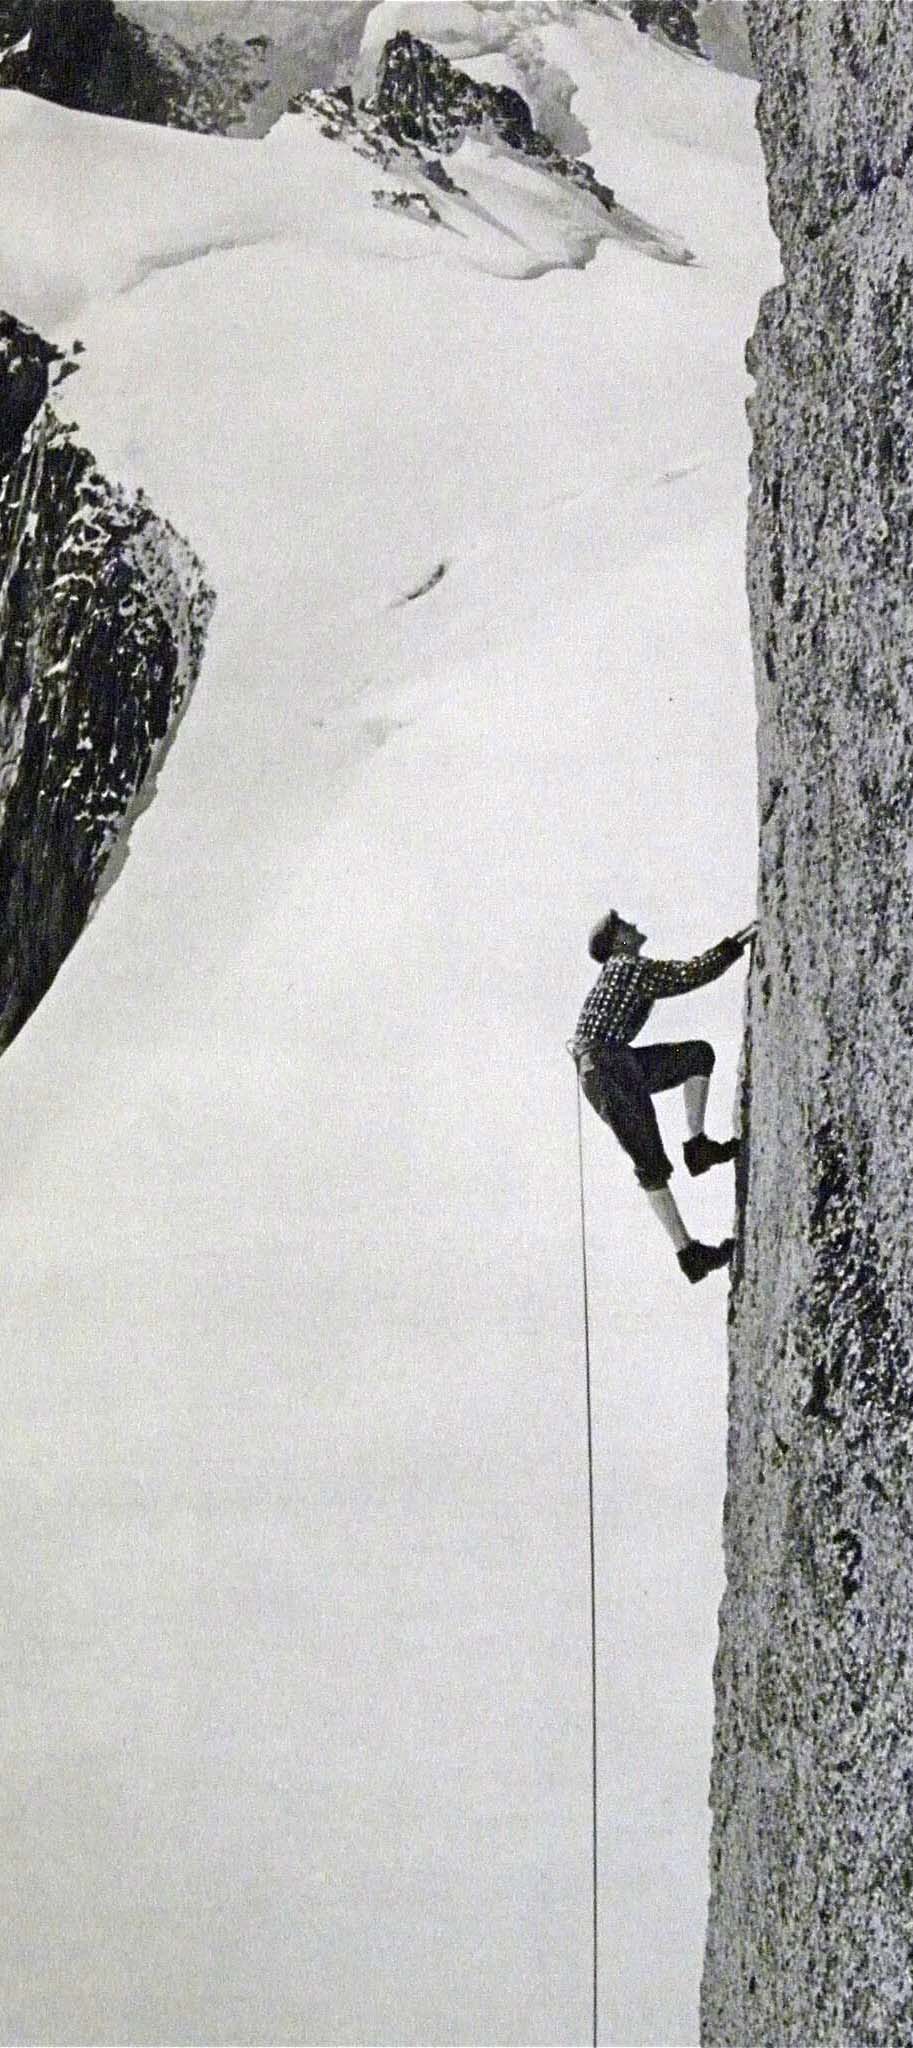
[208,88]
[92,57]
[673,18]
[103,615]
[15,21]
[809,1940]
[414,205]
[421,98]
[421,108]
[88,57]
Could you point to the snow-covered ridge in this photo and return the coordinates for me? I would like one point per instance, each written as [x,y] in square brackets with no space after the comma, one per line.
[422,98]
[518,205]
[103,615]
[467,29]
[231,69]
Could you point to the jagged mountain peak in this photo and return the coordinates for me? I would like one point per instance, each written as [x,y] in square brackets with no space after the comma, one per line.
[230,66]
[421,98]
[422,109]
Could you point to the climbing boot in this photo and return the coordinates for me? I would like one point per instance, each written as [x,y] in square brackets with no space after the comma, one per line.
[697,1260]
[701,1152]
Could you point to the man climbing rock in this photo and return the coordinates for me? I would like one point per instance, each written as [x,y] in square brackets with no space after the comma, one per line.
[620,1079]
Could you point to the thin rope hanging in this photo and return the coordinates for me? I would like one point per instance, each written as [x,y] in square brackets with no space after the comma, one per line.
[589,1446]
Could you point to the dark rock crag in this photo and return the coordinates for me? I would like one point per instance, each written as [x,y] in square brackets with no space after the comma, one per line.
[421,99]
[810,1937]
[675,19]
[88,55]
[421,108]
[15,21]
[103,616]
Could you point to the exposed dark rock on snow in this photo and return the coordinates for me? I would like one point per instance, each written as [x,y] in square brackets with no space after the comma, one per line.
[420,98]
[89,55]
[103,615]
[810,1935]
[420,110]
[674,18]
[451,108]
[415,205]
[341,121]
[220,67]
[715,29]
[429,583]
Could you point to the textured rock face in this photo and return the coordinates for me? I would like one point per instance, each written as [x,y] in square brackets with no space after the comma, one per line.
[674,18]
[422,100]
[103,613]
[86,56]
[15,21]
[421,97]
[810,1938]
[89,55]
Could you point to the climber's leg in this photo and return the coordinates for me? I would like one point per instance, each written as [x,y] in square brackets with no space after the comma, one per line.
[663,1204]
[696,1090]
[612,1082]
[688,1065]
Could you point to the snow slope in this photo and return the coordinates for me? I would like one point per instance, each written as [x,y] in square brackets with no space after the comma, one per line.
[295,1520]
[507,214]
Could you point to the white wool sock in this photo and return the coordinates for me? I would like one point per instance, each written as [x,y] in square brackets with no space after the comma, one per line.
[696,1090]
[663,1205]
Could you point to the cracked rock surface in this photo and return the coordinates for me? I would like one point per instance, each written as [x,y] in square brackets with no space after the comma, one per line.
[810,1937]
[103,616]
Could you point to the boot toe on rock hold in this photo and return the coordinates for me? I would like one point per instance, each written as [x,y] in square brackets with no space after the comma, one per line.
[697,1260]
[702,1152]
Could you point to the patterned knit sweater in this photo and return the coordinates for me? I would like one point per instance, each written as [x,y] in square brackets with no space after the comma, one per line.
[620,1002]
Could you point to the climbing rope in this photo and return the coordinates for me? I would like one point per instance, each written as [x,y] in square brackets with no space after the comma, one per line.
[589,1447]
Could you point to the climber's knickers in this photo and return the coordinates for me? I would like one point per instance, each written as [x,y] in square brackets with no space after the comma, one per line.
[618,1080]
[703,1054]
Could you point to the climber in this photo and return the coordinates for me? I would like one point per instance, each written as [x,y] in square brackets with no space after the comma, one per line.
[619,1079]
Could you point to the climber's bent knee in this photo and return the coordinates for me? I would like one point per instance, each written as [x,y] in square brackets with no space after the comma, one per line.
[653,1178]
[615,1087]
[704,1057]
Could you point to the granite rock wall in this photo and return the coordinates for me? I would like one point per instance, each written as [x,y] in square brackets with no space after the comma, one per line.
[810,1936]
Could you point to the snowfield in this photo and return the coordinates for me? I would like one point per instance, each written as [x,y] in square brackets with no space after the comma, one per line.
[297,1719]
